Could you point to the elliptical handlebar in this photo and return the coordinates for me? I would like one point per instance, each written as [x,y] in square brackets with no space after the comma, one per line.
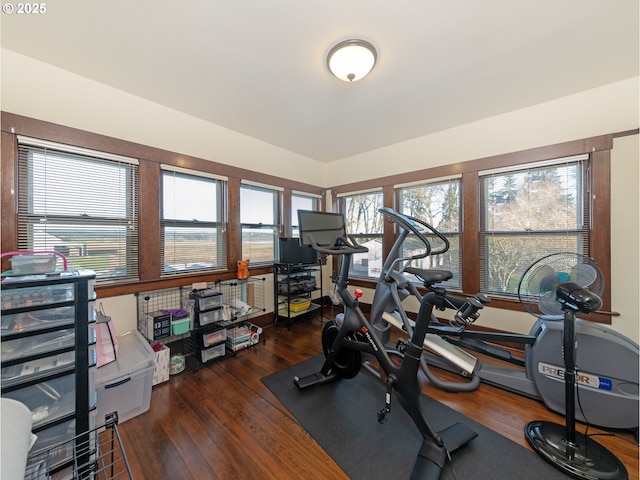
[417,226]
[411,225]
[435,232]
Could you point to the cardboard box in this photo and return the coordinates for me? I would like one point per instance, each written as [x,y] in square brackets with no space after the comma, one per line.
[161,365]
[155,325]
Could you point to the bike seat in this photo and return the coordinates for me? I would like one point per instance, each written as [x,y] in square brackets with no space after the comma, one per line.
[429,276]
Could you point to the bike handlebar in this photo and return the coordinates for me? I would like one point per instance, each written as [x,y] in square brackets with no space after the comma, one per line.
[341,246]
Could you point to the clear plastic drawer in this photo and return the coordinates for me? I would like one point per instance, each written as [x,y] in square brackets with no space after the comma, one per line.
[36,344]
[59,436]
[48,400]
[36,296]
[32,369]
[37,320]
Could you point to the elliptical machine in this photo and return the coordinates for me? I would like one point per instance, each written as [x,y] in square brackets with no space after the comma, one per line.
[344,341]
[387,310]
[609,361]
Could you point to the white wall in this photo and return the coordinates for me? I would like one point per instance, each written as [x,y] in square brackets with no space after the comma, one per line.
[608,109]
[625,235]
[40,91]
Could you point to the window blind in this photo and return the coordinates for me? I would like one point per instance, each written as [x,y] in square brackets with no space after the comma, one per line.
[528,213]
[80,203]
[193,232]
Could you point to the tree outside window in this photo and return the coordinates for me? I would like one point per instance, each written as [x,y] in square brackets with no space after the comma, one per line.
[527,214]
[438,204]
[365,224]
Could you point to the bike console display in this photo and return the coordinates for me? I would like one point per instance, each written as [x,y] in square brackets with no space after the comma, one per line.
[322,227]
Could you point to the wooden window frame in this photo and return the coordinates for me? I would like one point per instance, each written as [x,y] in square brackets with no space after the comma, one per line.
[149,183]
[151,158]
[599,149]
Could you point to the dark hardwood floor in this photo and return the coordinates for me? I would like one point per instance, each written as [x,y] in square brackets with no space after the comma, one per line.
[221,422]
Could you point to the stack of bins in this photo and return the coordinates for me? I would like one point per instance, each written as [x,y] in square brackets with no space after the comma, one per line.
[209,335]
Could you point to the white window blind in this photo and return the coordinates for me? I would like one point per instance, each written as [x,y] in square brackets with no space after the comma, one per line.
[528,212]
[80,203]
[193,230]
[259,207]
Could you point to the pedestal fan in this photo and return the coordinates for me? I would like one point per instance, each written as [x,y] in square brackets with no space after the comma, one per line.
[567,284]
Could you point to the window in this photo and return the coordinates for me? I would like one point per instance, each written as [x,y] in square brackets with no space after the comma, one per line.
[80,203]
[365,224]
[193,231]
[527,213]
[301,201]
[259,208]
[438,204]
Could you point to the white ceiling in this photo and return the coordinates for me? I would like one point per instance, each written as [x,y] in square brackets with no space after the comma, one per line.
[258,67]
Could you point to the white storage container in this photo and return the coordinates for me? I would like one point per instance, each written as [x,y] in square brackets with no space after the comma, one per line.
[125,385]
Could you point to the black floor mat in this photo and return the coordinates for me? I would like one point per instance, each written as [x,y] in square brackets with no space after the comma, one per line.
[342,417]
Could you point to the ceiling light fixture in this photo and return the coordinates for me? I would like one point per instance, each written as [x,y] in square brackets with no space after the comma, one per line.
[351,60]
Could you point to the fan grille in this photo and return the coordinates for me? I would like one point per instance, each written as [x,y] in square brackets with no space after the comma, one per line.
[537,287]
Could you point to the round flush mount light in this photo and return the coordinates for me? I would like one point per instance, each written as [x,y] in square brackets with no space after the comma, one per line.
[351,60]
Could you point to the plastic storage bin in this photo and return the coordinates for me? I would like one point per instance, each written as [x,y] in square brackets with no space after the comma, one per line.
[178,327]
[299,304]
[48,400]
[33,264]
[125,385]
[209,317]
[209,354]
[211,338]
[207,299]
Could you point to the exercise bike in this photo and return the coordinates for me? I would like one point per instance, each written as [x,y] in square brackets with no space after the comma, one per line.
[346,339]
[608,380]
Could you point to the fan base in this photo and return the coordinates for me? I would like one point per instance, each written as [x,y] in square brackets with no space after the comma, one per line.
[585,459]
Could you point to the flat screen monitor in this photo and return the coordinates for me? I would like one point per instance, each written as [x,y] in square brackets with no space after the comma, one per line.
[290,251]
[324,227]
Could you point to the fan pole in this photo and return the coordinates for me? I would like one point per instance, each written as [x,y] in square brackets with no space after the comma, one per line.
[575,454]
[569,356]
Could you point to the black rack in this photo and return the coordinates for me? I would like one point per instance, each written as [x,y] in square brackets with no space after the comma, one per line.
[294,291]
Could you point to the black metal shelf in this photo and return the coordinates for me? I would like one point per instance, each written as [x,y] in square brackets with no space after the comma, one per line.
[293,282]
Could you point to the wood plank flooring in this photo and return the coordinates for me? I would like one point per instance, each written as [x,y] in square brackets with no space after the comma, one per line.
[221,422]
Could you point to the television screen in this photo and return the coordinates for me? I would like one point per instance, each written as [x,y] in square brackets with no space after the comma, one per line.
[292,252]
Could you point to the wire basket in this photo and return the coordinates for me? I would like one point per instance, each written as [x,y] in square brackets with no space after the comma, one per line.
[93,455]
